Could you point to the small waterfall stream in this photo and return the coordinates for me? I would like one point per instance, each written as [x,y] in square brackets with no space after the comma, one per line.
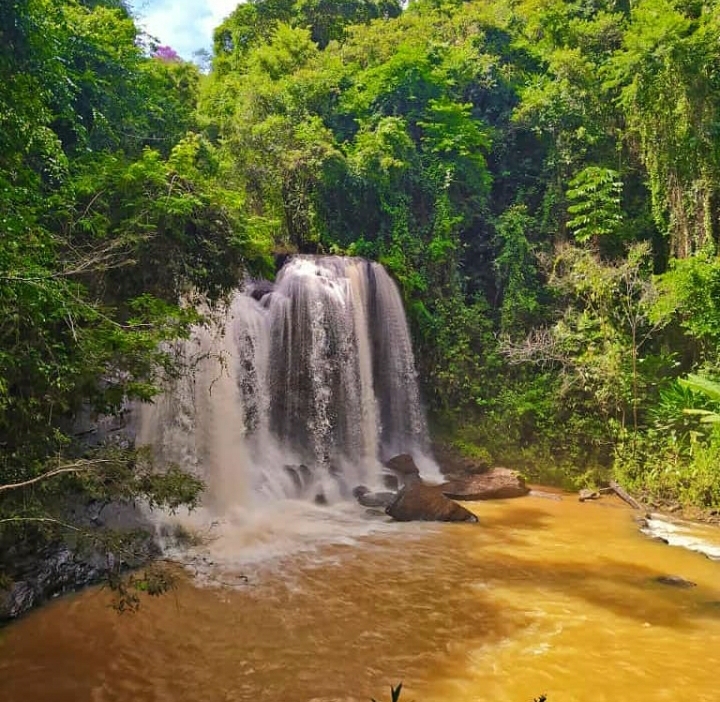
[301,390]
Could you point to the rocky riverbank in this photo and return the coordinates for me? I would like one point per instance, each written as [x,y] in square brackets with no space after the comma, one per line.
[100,546]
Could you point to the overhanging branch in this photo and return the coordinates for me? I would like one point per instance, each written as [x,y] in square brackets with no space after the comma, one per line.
[69,468]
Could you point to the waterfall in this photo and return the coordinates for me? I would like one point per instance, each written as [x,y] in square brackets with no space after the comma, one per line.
[302,389]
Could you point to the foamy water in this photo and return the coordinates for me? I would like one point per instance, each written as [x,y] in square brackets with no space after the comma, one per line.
[247,541]
[690,535]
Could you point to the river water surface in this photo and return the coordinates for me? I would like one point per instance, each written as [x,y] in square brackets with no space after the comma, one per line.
[543,596]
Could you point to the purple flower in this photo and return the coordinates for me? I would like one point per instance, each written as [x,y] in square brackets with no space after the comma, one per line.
[166,53]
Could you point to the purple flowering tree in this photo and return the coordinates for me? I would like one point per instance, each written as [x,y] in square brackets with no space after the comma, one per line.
[166,53]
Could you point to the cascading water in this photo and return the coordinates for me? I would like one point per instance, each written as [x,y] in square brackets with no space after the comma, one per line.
[339,373]
[300,391]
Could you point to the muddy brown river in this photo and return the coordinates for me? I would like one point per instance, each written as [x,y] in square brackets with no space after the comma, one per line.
[543,596]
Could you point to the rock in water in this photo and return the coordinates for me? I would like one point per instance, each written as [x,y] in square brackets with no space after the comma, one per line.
[404,467]
[377,499]
[419,502]
[373,499]
[390,481]
[675,581]
[454,464]
[496,484]
[261,288]
[300,475]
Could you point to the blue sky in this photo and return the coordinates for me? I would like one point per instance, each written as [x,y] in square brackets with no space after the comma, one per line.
[186,25]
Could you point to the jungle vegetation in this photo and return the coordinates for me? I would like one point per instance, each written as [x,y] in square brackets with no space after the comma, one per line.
[542,179]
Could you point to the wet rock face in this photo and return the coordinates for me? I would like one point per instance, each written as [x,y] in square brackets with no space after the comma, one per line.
[261,288]
[495,484]
[38,571]
[43,575]
[403,466]
[419,502]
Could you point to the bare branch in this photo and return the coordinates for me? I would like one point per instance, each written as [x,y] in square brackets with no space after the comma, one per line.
[539,347]
[69,468]
[110,255]
[39,519]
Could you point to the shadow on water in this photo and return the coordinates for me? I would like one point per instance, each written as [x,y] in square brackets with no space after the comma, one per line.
[521,518]
[626,589]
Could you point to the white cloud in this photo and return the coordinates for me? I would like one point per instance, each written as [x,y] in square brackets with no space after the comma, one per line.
[185,25]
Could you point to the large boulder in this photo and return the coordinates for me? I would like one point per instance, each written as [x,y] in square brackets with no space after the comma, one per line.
[404,467]
[419,502]
[496,484]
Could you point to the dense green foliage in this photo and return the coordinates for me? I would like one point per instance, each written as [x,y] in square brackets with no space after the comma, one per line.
[541,178]
[112,211]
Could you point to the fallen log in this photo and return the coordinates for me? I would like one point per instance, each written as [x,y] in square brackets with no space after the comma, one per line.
[625,496]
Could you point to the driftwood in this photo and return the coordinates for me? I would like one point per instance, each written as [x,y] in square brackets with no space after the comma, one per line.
[624,495]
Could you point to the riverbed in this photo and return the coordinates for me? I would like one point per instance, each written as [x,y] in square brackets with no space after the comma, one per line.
[543,596]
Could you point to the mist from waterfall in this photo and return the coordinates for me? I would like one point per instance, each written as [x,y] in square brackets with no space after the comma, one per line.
[301,390]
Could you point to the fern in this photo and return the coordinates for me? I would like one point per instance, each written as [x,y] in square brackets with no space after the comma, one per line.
[698,383]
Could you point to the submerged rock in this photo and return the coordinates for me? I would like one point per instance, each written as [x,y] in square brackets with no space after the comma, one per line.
[496,484]
[421,502]
[545,495]
[675,581]
[300,475]
[374,512]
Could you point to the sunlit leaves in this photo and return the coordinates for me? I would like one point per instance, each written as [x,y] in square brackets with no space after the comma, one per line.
[668,73]
[110,212]
[595,194]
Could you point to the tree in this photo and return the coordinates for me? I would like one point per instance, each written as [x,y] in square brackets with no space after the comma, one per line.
[667,76]
[112,213]
[598,339]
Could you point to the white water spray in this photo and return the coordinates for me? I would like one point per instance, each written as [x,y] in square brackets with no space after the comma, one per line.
[300,393]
